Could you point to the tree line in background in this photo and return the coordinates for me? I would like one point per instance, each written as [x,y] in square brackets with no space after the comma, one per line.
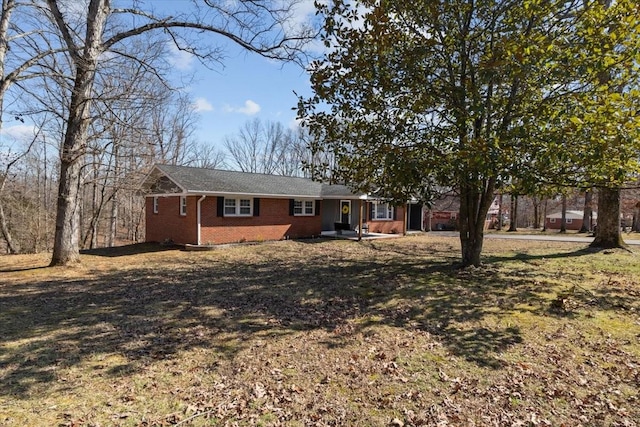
[529,212]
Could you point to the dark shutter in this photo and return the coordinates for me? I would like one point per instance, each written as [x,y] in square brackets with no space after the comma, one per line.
[317,207]
[256,206]
[372,214]
[395,212]
[220,206]
[291,207]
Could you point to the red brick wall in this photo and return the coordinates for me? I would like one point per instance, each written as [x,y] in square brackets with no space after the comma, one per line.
[575,224]
[388,227]
[273,223]
[168,224]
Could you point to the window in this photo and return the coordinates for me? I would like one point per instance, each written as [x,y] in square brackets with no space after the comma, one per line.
[382,211]
[569,220]
[245,207]
[303,207]
[552,220]
[155,204]
[237,207]
[183,205]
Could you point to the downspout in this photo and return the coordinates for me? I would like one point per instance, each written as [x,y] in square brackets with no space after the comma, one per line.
[199,209]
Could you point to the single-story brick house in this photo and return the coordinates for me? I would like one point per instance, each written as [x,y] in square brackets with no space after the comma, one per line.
[188,205]
[573,220]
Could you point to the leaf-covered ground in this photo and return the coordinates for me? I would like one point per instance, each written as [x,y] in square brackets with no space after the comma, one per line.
[323,332]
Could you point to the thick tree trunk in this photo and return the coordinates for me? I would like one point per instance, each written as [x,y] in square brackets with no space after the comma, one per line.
[563,219]
[514,213]
[608,230]
[499,224]
[6,234]
[474,206]
[471,249]
[66,248]
[586,216]
[635,226]
[536,213]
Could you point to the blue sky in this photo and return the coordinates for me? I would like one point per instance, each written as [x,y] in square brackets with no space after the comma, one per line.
[243,87]
[249,86]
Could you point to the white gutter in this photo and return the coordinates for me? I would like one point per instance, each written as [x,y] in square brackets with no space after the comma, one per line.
[253,195]
[200,216]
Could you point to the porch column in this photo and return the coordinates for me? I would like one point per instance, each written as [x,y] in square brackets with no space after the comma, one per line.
[199,217]
[360,219]
[404,219]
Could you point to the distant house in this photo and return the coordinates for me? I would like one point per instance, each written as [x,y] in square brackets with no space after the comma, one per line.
[573,220]
[444,214]
[444,220]
[198,206]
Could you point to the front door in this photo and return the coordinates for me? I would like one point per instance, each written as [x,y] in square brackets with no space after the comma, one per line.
[345,211]
[415,217]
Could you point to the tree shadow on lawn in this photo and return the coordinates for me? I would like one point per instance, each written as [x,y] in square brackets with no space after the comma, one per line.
[144,315]
[132,249]
[529,258]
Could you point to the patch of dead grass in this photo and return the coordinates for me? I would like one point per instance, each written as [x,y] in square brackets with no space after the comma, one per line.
[322,333]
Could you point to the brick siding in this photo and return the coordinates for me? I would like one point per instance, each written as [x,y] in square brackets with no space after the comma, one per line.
[395,226]
[273,222]
[575,224]
[168,224]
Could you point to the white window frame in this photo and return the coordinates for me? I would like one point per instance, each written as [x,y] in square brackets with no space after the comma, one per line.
[304,207]
[183,205]
[238,206]
[388,211]
[569,220]
[155,204]
[552,220]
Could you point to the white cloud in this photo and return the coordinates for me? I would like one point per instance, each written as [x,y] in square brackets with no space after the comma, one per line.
[250,108]
[201,104]
[295,123]
[19,132]
[74,10]
[303,12]
[180,59]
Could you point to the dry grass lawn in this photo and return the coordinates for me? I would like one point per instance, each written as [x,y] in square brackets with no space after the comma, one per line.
[323,332]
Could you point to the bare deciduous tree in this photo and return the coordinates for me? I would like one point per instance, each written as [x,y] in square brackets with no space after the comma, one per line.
[269,148]
[260,27]
[20,51]
[205,155]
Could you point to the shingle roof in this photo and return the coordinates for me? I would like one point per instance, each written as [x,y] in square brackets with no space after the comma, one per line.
[570,214]
[208,181]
